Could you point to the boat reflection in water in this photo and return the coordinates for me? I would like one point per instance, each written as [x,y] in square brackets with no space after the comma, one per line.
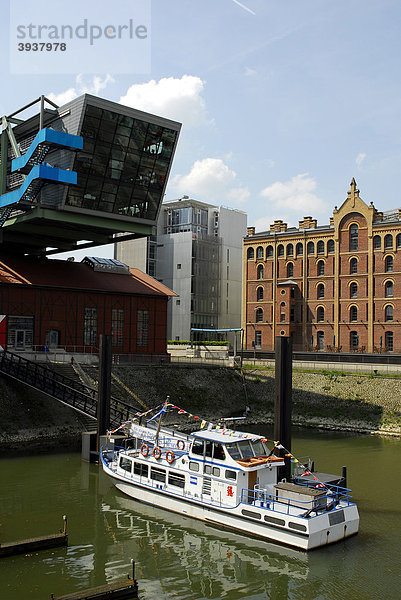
[189,559]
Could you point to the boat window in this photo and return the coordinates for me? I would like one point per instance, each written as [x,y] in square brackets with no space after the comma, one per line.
[297,526]
[233,451]
[216,471]
[140,469]
[274,520]
[197,447]
[125,463]
[176,479]
[251,513]
[208,448]
[231,475]
[246,449]
[258,448]
[336,517]
[158,474]
[193,466]
[218,452]
[207,469]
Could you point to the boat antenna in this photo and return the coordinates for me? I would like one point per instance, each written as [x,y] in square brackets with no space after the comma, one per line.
[160,420]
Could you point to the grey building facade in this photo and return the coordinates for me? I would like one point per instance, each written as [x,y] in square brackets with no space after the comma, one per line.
[197,252]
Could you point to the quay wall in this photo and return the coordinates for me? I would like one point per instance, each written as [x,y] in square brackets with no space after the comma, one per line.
[326,399]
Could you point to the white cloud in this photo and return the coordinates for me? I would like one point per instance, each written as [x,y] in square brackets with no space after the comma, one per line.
[295,195]
[359,159]
[94,86]
[238,195]
[171,97]
[208,178]
[250,72]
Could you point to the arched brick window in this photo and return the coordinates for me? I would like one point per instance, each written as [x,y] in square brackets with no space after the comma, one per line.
[353,266]
[259,294]
[353,237]
[388,313]
[260,271]
[310,248]
[388,241]
[290,269]
[320,291]
[290,250]
[259,315]
[320,247]
[320,267]
[280,250]
[389,289]
[320,314]
[259,252]
[389,264]
[269,252]
[353,313]
[389,341]
[299,249]
[330,246]
[250,253]
[354,340]
[353,290]
[377,242]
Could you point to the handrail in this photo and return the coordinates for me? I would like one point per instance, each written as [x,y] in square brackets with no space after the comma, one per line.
[279,504]
[40,173]
[49,136]
[81,397]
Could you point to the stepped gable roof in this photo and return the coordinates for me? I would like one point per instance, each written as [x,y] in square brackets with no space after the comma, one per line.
[43,272]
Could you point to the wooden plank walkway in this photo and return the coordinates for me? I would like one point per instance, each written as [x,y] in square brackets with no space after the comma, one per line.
[33,544]
[43,542]
[113,591]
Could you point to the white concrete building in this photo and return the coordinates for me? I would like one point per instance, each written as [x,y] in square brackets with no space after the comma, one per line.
[197,253]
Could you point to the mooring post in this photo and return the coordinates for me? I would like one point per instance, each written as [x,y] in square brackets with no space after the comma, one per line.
[104,388]
[344,476]
[65,524]
[283,398]
[133,569]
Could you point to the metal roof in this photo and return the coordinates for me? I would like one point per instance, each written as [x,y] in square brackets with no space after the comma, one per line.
[217,435]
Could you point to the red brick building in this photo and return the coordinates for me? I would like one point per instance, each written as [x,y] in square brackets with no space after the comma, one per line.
[64,304]
[334,287]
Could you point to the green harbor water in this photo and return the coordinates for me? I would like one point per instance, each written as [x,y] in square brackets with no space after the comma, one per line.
[179,558]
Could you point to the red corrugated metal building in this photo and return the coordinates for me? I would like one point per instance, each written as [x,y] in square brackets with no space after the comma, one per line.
[63,304]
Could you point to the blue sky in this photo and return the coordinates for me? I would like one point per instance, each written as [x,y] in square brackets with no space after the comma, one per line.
[282,101]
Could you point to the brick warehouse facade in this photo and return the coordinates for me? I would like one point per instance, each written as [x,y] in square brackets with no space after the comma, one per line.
[62,304]
[335,287]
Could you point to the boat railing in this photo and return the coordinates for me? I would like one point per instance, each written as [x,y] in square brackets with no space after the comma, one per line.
[262,498]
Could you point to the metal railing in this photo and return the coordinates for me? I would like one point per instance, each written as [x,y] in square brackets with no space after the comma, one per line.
[81,397]
[261,498]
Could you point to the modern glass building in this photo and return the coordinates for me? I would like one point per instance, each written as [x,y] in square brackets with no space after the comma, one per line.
[121,175]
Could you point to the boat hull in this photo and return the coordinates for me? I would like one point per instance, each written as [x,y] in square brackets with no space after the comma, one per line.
[318,530]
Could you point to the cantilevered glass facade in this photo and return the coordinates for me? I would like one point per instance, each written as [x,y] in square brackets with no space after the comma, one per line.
[123,166]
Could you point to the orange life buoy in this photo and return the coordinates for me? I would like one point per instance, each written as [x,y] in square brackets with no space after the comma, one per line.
[144,450]
[157,452]
[180,444]
[170,458]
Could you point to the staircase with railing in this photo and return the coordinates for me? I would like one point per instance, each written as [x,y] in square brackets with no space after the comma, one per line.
[78,396]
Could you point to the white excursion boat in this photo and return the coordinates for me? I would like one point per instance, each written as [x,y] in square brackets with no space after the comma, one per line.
[231,480]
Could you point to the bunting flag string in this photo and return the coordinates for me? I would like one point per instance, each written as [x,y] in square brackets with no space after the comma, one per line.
[162,409]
